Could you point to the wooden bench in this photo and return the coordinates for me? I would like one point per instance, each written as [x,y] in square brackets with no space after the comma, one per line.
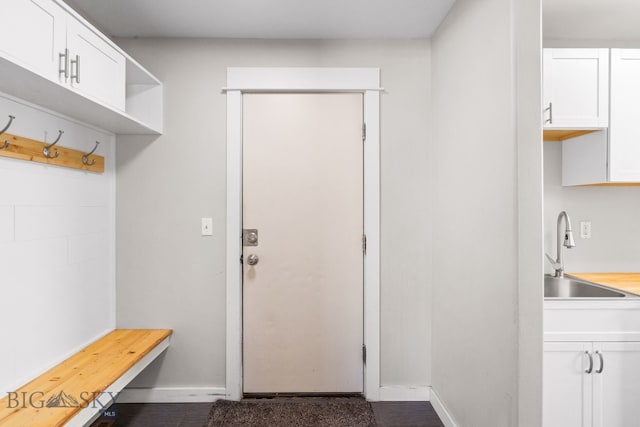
[76,392]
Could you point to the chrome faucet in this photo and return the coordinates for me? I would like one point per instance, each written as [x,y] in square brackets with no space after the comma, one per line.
[567,243]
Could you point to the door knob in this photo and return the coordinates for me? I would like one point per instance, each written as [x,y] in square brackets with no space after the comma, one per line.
[252,259]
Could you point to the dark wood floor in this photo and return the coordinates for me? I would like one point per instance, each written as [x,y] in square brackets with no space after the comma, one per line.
[405,414]
[388,414]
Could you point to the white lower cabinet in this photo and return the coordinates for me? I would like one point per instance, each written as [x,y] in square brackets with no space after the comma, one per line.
[591,384]
[567,387]
[616,391]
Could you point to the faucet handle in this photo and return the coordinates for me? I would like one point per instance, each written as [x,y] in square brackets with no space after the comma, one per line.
[556,265]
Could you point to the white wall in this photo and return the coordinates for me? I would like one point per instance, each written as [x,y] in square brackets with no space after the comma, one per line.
[615,241]
[170,276]
[487,266]
[56,248]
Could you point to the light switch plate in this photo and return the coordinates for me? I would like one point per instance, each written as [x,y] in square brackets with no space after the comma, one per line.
[585,229]
[207,226]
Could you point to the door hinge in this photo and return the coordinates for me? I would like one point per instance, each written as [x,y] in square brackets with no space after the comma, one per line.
[364,244]
[364,353]
[364,132]
[242,259]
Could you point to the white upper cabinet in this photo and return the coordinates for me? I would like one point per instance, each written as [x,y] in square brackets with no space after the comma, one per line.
[56,45]
[95,68]
[624,133]
[52,57]
[34,34]
[576,88]
[610,156]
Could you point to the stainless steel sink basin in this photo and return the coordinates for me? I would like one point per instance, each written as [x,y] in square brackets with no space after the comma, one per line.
[565,287]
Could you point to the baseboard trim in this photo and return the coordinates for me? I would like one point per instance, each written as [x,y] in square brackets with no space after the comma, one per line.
[441,410]
[171,395]
[404,393]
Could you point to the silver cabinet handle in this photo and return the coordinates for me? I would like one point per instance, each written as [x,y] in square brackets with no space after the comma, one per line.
[590,368]
[599,370]
[63,64]
[77,64]
[252,259]
[550,110]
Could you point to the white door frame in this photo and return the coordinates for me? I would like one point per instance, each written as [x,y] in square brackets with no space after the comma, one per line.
[304,80]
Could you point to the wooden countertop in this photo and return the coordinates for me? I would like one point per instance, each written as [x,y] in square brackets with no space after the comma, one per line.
[627,282]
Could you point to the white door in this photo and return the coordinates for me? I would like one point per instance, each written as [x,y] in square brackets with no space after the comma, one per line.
[576,88]
[616,397]
[567,388]
[303,192]
[34,35]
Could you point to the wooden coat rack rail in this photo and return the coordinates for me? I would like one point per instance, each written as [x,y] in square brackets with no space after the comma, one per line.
[17,147]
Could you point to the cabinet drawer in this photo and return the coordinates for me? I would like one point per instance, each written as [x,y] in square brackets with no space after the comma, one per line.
[96,69]
[592,320]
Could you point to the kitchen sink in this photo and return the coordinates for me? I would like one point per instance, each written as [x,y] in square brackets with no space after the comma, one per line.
[565,287]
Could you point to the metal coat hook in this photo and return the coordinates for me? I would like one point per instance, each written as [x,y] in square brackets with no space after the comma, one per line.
[6,142]
[85,158]
[46,151]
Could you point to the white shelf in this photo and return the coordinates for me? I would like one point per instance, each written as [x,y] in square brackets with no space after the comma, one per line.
[22,83]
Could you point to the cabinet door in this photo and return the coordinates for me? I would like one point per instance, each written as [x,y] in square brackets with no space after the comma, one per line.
[34,35]
[616,395]
[97,69]
[567,388]
[576,88]
[624,142]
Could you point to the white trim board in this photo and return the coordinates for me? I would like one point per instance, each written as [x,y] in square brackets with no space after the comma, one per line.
[171,395]
[405,393]
[361,80]
[257,79]
[441,410]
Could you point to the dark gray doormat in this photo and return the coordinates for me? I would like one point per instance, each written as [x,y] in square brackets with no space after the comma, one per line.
[295,411]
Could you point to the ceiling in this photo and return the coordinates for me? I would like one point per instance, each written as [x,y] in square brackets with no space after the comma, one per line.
[591,20]
[311,19]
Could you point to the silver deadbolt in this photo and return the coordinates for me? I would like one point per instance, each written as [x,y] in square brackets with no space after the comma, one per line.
[252,259]
[250,237]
